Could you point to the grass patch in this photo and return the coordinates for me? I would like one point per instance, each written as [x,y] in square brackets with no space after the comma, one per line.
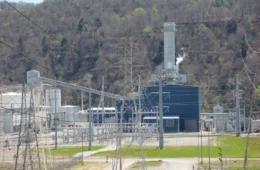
[234,165]
[70,151]
[232,147]
[90,166]
[6,166]
[11,166]
[80,167]
[139,164]
[154,152]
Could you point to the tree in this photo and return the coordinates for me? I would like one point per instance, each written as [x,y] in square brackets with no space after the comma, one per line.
[21,46]
[155,11]
[147,29]
[139,11]
[80,25]
[45,46]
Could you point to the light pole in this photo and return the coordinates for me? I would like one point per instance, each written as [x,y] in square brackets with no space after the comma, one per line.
[56,131]
[201,161]
[161,141]
[82,161]
[199,145]
[220,158]
[209,146]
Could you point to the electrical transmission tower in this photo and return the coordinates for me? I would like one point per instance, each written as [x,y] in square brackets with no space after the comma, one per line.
[128,64]
[27,155]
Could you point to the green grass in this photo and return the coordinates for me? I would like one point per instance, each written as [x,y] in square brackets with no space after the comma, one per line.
[70,151]
[234,165]
[232,147]
[6,166]
[90,165]
[79,167]
[138,164]
[154,152]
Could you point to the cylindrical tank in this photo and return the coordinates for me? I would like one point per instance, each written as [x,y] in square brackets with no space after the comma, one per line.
[51,95]
[13,100]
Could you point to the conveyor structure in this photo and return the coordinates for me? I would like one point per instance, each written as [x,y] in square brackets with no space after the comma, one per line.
[34,79]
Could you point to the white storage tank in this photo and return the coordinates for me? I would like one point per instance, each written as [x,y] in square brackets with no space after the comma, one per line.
[255,127]
[11,122]
[51,95]
[67,115]
[13,100]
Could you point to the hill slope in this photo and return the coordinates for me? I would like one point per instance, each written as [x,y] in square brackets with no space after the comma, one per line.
[86,39]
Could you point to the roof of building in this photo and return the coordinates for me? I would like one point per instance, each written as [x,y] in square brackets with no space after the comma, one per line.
[11,94]
[105,108]
[165,117]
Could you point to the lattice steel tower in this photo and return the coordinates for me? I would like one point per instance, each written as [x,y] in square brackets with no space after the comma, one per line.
[27,155]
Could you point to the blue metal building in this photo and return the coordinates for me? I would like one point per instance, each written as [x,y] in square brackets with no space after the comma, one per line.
[179,102]
[181,107]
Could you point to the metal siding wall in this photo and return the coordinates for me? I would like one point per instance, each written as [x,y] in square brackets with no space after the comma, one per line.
[183,101]
[171,129]
[127,109]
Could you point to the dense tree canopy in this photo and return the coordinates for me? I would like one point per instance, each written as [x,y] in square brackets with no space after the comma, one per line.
[88,38]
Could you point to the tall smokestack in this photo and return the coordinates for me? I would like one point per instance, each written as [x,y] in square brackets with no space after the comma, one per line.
[169,45]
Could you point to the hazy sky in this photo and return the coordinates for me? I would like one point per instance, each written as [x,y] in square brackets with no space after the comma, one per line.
[31,1]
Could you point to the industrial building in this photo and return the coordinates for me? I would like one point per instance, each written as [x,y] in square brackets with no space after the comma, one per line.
[180,103]
[181,106]
[45,101]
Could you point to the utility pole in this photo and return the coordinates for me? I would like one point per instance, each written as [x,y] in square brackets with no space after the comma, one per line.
[161,142]
[82,102]
[122,111]
[238,125]
[90,119]
[82,161]
[244,122]
[209,146]
[220,158]
[20,129]
[102,98]
[55,118]
[250,116]
[139,117]
[121,133]
[201,149]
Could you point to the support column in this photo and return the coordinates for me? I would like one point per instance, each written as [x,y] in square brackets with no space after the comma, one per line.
[238,125]
[161,142]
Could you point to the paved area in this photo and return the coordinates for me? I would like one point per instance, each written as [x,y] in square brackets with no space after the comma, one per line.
[179,139]
[88,153]
[168,164]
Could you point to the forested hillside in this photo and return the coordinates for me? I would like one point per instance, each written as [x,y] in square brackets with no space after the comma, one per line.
[79,40]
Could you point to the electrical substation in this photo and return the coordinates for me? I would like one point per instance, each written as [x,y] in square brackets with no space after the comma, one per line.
[32,115]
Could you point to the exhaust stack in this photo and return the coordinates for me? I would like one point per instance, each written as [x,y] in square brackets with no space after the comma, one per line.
[169,45]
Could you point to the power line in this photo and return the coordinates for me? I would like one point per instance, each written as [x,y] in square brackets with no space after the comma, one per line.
[34,23]
[38,26]
[246,65]
[249,46]
[251,81]
[22,54]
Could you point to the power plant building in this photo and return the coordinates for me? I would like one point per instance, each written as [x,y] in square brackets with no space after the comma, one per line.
[180,103]
[181,106]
